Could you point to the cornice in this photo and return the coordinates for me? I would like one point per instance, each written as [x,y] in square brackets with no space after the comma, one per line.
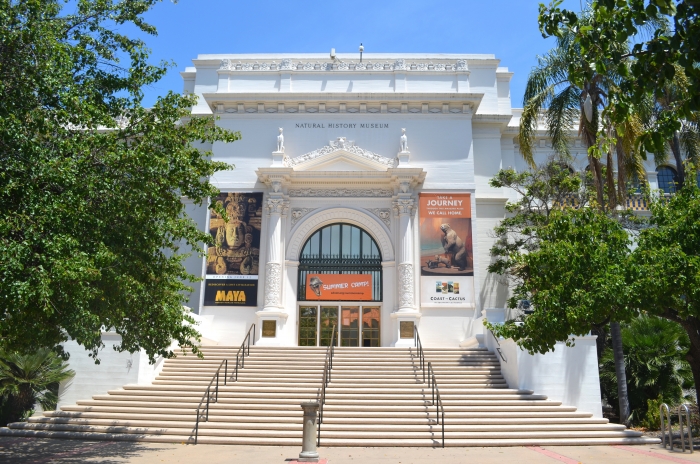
[295,97]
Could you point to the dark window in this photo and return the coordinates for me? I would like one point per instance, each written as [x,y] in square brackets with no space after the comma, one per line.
[341,249]
[667,179]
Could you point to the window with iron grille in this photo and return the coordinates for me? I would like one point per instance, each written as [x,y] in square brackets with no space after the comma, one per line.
[341,249]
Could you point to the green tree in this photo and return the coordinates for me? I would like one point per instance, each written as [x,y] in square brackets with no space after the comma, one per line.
[28,379]
[92,226]
[665,266]
[655,363]
[648,67]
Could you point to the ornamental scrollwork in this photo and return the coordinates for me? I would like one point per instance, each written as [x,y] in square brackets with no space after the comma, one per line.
[273,284]
[298,213]
[340,144]
[405,285]
[340,192]
[382,213]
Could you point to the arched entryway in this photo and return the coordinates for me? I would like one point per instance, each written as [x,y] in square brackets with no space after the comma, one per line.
[340,284]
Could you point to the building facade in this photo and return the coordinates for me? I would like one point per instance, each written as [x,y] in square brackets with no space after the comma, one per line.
[359,198]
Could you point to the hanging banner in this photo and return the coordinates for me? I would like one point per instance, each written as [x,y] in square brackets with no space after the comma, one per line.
[233,262]
[447,259]
[339,287]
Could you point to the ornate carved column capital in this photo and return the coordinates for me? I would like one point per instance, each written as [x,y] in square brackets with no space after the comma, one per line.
[277,205]
[403,206]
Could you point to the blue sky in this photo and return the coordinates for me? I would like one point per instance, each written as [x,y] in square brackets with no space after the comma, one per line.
[506,28]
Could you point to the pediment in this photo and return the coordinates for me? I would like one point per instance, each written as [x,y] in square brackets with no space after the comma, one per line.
[340,155]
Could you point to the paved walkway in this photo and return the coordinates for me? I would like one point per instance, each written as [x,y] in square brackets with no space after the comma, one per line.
[44,451]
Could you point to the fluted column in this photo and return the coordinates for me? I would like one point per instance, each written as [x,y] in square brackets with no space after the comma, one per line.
[273,269]
[405,282]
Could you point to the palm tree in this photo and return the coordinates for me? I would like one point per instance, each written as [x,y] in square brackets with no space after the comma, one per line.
[563,103]
[27,379]
[687,138]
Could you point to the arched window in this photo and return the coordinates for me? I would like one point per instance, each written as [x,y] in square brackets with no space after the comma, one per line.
[667,178]
[341,249]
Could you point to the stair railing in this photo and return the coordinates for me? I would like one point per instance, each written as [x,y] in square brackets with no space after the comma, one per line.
[419,350]
[437,401]
[240,356]
[327,367]
[684,408]
[664,408]
[209,392]
[498,346]
[208,396]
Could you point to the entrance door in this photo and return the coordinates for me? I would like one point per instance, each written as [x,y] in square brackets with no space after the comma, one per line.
[355,326]
[350,326]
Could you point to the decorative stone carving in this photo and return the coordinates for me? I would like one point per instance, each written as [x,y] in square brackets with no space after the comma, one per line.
[277,205]
[403,206]
[406,286]
[382,213]
[286,65]
[340,144]
[340,192]
[273,284]
[298,213]
[404,141]
[280,142]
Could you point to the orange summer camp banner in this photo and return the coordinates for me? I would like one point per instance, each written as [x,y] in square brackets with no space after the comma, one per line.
[339,287]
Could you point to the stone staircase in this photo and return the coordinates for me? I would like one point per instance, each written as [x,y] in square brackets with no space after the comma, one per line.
[376,398]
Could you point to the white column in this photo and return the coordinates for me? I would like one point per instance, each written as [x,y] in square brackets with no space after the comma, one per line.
[273,269]
[405,281]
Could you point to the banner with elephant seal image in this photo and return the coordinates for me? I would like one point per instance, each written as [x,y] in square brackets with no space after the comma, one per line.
[234,260]
[446,256]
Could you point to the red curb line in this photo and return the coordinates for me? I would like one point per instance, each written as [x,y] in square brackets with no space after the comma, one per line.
[655,455]
[553,455]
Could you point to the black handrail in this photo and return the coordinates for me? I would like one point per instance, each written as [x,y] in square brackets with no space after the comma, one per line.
[438,405]
[240,358]
[327,368]
[207,395]
[498,347]
[419,350]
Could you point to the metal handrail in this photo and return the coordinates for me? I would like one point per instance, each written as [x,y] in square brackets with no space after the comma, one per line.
[419,350]
[663,407]
[240,358]
[498,346]
[207,395]
[327,368]
[690,429]
[439,408]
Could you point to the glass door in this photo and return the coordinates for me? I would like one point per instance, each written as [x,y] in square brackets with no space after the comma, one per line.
[329,319]
[350,327]
[307,325]
[354,325]
[370,326]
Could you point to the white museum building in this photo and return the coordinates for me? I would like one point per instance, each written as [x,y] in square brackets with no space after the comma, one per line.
[359,201]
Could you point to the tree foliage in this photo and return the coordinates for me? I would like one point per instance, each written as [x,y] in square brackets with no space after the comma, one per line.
[581,267]
[92,222]
[648,66]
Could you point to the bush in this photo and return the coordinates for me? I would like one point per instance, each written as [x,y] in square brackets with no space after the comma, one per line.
[28,379]
[657,371]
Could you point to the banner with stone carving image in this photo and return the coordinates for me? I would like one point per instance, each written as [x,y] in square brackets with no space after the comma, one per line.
[233,262]
[446,256]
